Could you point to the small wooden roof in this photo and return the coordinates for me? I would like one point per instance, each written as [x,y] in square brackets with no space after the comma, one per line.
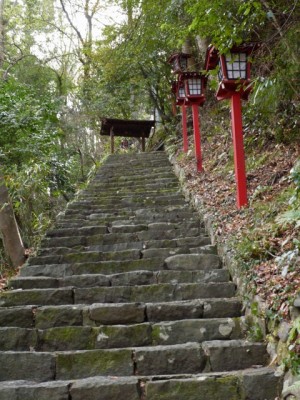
[126,128]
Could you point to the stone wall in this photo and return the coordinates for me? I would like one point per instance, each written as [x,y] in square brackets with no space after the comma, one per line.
[277,335]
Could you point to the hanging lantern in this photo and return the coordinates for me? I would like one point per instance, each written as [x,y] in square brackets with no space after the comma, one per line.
[234,70]
[194,87]
[179,62]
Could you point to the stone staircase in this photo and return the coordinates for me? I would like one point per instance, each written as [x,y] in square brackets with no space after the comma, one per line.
[127,299]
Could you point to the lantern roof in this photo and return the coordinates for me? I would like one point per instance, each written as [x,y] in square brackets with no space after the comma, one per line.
[126,128]
[177,55]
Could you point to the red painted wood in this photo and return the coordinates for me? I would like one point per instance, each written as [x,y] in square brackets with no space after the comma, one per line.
[238,146]
[184,129]
[197,137]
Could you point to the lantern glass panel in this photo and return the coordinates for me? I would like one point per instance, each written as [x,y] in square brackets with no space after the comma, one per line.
[181,93]
[236,64]
[220,72]
[194,85]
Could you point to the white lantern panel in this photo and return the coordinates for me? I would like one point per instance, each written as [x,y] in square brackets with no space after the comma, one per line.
[236,65]
[194,85]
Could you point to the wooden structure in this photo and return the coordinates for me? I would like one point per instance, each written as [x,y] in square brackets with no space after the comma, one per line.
[126,128]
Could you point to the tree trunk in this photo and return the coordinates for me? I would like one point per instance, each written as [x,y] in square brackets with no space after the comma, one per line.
[2,49]
[12,241]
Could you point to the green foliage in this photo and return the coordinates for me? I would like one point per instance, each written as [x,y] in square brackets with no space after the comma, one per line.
[292,362]
[292,216]
[29,125]
[225,22]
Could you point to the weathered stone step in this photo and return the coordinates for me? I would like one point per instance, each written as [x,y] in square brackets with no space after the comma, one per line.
[119,242]
[98,314]
[134,179]
[153,231]
[211,356]
[151,189]
[135,169]
[69,338]
[89,256]
[125,201]
[117,294]
[252,384]
[138,216]
[131,202]
[121,279]
[104,267]
[187,262]
[131,208]
[153,293]
[82,231]
[152,238]
[173,257]
[137,184]
[113,195]
[121,200]
[122,247]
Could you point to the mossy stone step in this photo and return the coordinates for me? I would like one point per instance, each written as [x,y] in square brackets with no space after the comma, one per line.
[121,279]
[128,208]
[117,294]
[36,297]
[254,384]
[118,336]
[98,314]
[153,293]
[103,267]
[126,241]
[89,256]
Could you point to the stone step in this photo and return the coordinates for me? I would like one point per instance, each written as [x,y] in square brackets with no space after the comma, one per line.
[122,200]
[188,358]
[252,384]
[121,279]
[138,216]
[113,195]
[172,261]
[69,338]
[193,262]
[148,240]
[119,180]
[151,189]
[166,230]
[99,314]
[82,231]
[153,293]
[117,294]
[126,201]
[145,253]
[128,208]
[145,179]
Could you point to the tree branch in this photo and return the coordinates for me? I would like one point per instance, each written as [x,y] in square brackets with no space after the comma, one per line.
[71,22]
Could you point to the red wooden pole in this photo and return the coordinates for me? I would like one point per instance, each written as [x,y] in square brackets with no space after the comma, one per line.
[184,129]
[239,155]
[197,137]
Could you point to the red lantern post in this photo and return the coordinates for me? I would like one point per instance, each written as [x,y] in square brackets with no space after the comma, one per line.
[189,91]
[194,85]
[234,83]
[178,90]
[179,63]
